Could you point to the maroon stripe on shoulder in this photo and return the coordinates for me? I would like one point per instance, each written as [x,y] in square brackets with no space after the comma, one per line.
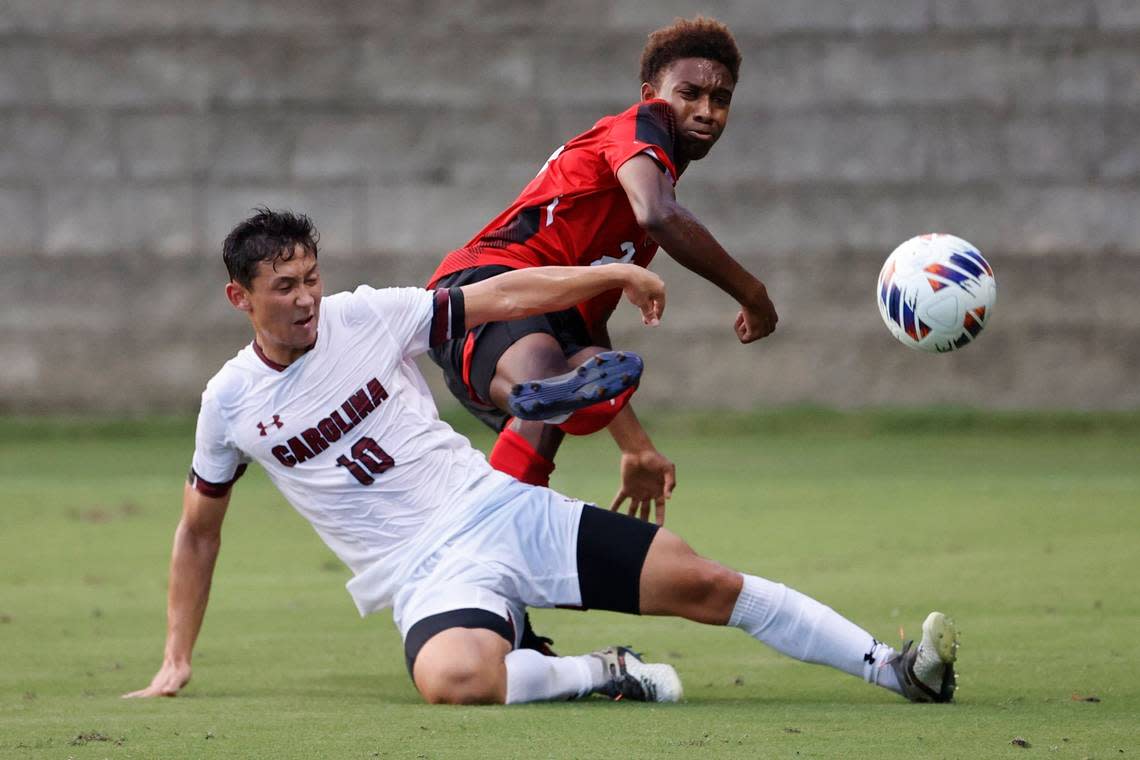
[440,318]
[215,490]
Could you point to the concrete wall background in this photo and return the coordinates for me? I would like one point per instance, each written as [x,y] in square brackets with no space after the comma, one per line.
[135,133]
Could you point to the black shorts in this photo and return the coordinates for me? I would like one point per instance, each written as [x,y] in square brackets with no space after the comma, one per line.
[469,361]
[611,553]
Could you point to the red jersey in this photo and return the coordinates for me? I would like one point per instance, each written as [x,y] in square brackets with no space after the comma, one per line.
[575,212]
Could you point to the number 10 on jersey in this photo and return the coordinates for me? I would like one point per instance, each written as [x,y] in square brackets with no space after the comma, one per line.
[368,459]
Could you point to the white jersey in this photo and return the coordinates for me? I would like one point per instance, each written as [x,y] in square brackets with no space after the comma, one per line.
[350,435]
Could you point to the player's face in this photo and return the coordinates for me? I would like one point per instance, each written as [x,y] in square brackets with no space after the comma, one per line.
[700,92]
[283,302]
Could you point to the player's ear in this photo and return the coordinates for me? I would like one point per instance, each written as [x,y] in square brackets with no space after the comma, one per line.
[238,296]
[648,91]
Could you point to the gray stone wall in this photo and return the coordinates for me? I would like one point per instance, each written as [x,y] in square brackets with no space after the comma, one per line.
[134,133]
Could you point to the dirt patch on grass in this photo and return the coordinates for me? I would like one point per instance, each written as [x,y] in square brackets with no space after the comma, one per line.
[95,736]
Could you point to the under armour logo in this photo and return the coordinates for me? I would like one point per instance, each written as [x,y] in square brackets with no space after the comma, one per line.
[869,658]
[265,428]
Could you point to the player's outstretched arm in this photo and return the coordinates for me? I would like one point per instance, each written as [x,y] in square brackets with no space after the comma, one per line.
[689,242]
[538,290]
[196,543]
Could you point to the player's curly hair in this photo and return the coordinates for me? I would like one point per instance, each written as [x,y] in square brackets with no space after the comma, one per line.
[698,37]
[266,236]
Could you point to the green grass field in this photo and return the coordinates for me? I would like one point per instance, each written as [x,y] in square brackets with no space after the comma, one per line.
[1026,528]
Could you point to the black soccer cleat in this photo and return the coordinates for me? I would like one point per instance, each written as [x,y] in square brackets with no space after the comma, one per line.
[597,379]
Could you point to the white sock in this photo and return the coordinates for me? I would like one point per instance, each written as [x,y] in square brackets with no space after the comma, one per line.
[800,627]
[533,677]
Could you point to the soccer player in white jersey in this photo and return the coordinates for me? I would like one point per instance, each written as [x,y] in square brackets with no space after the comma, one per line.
[326,398]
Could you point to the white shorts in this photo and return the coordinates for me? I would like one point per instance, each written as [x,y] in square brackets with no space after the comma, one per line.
[522,554]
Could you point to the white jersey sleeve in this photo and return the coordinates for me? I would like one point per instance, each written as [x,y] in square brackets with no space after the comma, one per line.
[416,319]
[217,462]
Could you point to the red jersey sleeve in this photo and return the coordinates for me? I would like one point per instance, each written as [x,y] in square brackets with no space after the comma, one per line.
[648,128]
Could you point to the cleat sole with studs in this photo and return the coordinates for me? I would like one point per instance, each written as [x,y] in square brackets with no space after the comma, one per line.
[597,379]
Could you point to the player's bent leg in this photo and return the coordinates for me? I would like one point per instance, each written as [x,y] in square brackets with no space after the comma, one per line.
[467,666]
[462,666]
[616,672]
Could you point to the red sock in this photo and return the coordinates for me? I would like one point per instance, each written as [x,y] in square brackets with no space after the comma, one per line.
[591,419]
[514,455]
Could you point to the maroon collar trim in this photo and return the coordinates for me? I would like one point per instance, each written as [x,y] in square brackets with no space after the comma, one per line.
[268,362]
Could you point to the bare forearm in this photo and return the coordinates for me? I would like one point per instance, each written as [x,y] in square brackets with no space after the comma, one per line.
[690,243]
[525,292]
[196,543]
[539,290]
[683,237]
[628,433]
[191,570]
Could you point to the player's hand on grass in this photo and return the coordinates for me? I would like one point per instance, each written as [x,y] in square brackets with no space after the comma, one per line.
[646,291]
[166,683]
[647,479]
[756,320]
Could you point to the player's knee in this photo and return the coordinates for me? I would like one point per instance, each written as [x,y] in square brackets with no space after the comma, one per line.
[722,587]
[689,585]
[462,667]
[712,587]
[457,683]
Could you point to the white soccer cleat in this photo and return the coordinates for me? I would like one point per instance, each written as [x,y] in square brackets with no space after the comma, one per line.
[631,678]
[926,672]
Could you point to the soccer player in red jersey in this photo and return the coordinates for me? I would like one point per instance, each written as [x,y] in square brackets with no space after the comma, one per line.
[605,196]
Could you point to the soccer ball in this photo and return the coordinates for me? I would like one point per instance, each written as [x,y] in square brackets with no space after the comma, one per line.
[936,293]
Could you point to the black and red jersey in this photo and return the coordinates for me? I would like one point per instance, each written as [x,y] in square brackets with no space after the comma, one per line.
[575,212]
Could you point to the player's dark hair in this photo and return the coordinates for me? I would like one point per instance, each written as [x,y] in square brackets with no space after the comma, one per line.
[698,37]
[266,236]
